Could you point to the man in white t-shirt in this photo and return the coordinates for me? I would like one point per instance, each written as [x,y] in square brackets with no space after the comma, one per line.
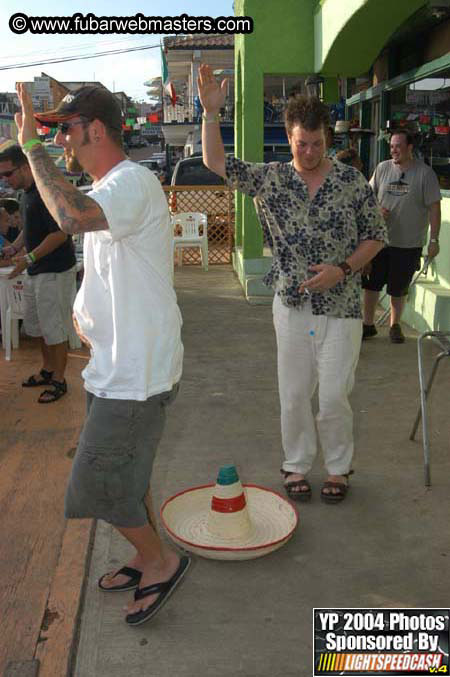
[126,311]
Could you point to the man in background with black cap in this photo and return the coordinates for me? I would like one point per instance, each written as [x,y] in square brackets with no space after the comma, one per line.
[126,311]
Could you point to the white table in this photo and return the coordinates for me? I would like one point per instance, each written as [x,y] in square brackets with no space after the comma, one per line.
[4,283]
[74,341]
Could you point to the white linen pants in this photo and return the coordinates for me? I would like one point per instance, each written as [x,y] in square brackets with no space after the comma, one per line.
[316,350]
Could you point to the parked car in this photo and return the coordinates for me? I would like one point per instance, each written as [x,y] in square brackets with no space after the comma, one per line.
[156,168]
[192,172]
[151,164]
[160,158]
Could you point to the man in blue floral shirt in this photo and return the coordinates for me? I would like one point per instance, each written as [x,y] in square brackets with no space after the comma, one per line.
[323,225]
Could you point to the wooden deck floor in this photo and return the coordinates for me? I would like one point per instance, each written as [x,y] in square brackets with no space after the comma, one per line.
[42,562]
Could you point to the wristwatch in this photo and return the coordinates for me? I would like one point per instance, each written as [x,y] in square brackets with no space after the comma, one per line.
[434,239]
[345,268]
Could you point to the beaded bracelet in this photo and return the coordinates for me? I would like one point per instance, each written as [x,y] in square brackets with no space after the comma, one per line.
[28,145]
[215,118]
[30,258]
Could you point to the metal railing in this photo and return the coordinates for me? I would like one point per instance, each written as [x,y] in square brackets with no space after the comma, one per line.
[188,113]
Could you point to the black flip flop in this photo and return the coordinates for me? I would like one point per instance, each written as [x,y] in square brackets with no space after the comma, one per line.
[164,589]
[133,574]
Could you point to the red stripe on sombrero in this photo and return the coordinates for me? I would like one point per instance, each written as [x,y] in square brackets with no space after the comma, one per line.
[228,504]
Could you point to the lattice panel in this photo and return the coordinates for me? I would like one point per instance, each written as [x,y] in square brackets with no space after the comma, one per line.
[218,204]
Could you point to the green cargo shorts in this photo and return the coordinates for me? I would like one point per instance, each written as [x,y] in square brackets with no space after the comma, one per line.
[113,464]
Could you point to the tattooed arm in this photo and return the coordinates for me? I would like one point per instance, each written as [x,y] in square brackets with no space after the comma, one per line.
[73,211]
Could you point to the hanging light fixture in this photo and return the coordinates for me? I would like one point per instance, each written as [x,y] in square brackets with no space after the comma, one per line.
[314,86]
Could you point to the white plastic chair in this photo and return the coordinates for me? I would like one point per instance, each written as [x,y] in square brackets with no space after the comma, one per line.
[14,312]
[190,224]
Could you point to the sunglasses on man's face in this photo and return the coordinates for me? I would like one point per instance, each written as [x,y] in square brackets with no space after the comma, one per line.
[65,127]
[6,175]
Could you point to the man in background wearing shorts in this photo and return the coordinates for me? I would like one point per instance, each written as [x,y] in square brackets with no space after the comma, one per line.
[409,194]
[49,287]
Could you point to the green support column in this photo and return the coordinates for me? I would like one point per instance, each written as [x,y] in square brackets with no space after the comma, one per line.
[330,90]
[281,44]
[238,146]
[252,150]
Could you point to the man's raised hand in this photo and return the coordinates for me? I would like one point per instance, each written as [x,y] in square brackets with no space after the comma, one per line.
[212,96]
[26,124]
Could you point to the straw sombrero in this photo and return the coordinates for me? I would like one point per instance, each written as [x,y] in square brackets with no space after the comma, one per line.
[229,520]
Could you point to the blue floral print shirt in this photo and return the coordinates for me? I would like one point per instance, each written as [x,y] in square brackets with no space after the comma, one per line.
[302,231]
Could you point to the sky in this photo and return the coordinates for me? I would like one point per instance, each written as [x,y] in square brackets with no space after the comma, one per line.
[124,72]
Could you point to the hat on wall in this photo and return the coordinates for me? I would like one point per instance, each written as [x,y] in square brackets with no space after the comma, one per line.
[342,126]
[228,520]
[92,102]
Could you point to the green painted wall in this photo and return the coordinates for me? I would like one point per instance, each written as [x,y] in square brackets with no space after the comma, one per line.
[238,145]
[349,34]
[428,307]
[282,43]
[442,266]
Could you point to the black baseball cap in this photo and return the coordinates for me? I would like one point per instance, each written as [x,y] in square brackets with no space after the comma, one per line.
[92,102]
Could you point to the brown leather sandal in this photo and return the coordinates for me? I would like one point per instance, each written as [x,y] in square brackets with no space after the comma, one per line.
[42,379]
[342,489]
[57,389]
[298,490]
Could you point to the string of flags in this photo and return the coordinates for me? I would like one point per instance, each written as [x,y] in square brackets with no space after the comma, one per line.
[139,122]
[131,123]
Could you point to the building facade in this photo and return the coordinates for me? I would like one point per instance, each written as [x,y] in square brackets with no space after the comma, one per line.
[390,55]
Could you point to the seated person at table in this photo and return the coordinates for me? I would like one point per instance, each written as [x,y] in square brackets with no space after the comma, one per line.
[10,219]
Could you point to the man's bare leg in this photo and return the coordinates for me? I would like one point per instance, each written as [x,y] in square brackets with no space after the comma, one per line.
[46,361]
[58,359]
[397,306]
[370,304]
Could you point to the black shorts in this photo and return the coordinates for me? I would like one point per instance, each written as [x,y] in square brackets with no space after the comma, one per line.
[394,267]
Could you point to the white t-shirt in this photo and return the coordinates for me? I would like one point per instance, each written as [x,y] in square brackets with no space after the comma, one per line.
[126,306]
